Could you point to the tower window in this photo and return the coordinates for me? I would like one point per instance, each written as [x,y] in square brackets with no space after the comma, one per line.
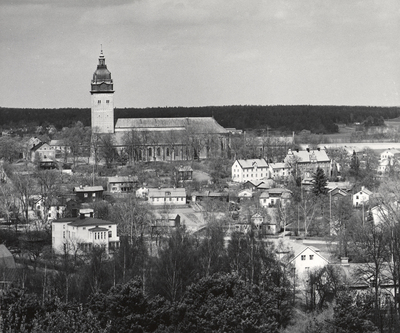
[99,101]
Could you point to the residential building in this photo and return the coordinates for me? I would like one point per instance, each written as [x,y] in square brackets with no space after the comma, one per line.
[307,259]
[304,163]
[279,171]
[142,192]
[83,233]
[122,184]
[274,197]
[184,173]
[362,197]
[167,196]
[42,151]
[249,170]
[49,210]
[89,193]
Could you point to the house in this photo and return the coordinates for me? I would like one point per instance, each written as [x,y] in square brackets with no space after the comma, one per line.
[164,222]
[122,184]
[306,259]
[167,196]
[304,163]
[275,196]
[142,192]
[60,148]
[222,196]
[42,151]
[336,194]
[184,173]
[362,197]
[390,154]
[245,194]
[250,169]
[261,184]
[279,171]
[49,210]
[89,193]
[73,234]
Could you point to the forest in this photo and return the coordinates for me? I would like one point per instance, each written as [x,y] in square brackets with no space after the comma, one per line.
[317,119]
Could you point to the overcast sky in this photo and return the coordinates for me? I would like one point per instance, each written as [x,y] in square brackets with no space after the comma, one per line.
[196,53]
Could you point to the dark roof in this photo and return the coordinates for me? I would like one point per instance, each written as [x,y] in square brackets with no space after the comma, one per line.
[83,222]
[97,228]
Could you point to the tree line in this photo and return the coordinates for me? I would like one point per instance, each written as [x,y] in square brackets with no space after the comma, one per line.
[318,119]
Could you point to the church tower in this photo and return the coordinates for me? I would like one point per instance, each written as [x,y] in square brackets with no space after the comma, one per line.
[102,99]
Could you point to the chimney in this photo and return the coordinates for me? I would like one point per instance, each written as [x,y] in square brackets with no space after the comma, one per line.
[308,150]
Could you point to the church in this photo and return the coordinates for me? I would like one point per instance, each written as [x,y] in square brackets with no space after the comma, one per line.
[153,139]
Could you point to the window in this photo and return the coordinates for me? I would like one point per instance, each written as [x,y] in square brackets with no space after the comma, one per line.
[109,234]
[85,195]
[107,101]
[303,257]
[311,257]
[63,234]
[99,101]
[93,195]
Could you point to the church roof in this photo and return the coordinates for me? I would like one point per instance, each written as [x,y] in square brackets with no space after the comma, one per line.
[195,125]
[102,81]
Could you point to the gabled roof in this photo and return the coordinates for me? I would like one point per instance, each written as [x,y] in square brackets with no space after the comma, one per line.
[309,156]
[364,190]
[57,143]
[185,168]
[276,191]
[88,189]
[97,228]
[312,248]
[162,192]
[193,124]
[123,179]
[39,146]
[250,163]
[279,165]
[86,222]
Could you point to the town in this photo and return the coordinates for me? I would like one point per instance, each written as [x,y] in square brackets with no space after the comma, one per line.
[199,166]
[86,208]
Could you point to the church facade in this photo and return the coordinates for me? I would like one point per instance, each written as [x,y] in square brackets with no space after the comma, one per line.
[153,139]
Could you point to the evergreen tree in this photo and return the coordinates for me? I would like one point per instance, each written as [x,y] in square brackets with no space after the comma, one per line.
[320,181]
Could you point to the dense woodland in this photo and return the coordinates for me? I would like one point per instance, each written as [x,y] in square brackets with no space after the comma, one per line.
[317,119]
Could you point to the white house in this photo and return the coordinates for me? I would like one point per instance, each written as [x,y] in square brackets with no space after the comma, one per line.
[306,259]
[142,192]
[53,210]
[167,196]
[246,193]
[121,184]
[390,154]
[251,169]
[82,233]
[362,197]
[274,196]
[279,170]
